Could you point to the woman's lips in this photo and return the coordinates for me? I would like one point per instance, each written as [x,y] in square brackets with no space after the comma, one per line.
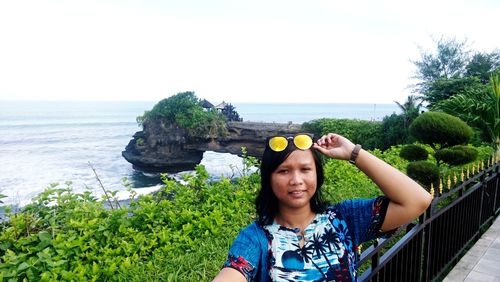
[296,193]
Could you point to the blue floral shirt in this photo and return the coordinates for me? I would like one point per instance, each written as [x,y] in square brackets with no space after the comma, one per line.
[327,251]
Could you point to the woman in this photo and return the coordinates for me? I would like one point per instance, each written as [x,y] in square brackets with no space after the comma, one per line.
[296,237]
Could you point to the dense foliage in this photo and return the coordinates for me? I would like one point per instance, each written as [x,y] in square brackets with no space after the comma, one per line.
[64,235]
[480,107]
[440,129]
[185,110]
[395,131]
[456,155]
[363,132]
[424,172]
[414,152]
[68,236]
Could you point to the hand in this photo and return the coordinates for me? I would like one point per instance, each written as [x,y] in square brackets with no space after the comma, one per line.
[334,146]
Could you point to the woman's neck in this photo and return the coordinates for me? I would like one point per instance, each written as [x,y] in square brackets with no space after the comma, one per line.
[295,218]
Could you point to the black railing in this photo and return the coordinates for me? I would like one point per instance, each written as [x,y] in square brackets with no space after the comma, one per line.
[428,249]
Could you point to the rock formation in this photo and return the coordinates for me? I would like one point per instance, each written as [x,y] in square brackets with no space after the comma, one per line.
[165,148]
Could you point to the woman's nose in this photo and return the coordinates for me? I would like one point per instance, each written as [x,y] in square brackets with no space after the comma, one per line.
[295,179]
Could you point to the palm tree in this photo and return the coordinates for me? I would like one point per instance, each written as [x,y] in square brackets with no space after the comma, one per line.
[319,247]
[331,238]
[480,109]
[410,108]
[307,252]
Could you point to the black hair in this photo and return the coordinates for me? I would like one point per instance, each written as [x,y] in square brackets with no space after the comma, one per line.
[266,203]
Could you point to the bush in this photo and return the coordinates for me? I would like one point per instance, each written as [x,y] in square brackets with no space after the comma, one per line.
[413,153]
[457,155]
[440,128]
[366,133]
[393,131]
[423,171]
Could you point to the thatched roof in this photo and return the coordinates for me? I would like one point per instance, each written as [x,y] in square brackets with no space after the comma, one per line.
[221,105]
[207,105]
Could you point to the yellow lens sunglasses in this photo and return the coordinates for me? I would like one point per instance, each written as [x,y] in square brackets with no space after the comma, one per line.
[302,141]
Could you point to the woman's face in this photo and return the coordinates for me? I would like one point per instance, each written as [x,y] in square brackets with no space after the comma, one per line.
[294,181]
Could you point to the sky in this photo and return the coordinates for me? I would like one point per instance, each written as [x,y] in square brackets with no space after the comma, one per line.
[260,51]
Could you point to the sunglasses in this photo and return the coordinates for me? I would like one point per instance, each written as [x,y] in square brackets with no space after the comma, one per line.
[302,141]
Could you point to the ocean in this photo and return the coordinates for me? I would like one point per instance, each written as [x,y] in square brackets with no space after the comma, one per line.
[54,142]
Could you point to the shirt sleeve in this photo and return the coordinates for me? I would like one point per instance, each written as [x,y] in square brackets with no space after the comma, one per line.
[364,217]
[244,254]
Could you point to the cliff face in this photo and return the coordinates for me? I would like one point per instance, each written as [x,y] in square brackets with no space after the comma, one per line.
[164,148]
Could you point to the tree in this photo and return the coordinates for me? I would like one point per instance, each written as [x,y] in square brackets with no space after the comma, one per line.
[410,109]
[443,89]
[449,61]
[185,110]
[393,131]
[440,130]
[479,108]
[483,65]
[229,111]
[451,69]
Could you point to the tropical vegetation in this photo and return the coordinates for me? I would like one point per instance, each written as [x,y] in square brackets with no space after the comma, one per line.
[185,110]
[63,235]
[183,231]
[478,107]
[451,68]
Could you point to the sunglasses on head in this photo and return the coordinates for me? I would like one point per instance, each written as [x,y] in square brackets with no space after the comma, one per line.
[302,141]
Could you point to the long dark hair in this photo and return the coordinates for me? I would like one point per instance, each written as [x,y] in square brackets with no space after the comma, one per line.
[266,203]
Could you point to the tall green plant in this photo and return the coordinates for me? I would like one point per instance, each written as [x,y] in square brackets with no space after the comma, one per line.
[410,108]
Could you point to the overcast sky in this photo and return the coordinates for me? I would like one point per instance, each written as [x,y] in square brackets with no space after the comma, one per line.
[315,51]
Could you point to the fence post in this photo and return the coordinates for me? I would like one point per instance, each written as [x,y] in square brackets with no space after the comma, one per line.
[495,171]
[427,238]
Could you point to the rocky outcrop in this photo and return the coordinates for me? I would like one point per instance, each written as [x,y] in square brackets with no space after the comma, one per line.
[166,148]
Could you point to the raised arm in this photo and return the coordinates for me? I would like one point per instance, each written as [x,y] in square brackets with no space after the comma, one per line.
[407,198]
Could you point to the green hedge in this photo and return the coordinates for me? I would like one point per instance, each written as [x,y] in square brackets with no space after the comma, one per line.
[363,132]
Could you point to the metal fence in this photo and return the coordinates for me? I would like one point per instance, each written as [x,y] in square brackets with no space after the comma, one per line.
[454,220]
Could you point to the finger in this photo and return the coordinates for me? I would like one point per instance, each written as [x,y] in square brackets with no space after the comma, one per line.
[322,150]
[321,141]
[331,137]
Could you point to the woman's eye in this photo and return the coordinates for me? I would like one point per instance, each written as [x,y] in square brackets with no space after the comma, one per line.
[283,171]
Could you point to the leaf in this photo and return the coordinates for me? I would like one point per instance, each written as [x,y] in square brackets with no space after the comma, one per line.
[23,266]
[45,236]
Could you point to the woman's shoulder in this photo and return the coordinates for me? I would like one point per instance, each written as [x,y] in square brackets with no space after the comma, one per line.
[253,229]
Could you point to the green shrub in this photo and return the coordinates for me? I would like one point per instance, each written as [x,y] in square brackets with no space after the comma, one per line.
[456,155]
[424,172]
[66,236]
[393,131]
[414,153]
[440,128]
[366,133]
